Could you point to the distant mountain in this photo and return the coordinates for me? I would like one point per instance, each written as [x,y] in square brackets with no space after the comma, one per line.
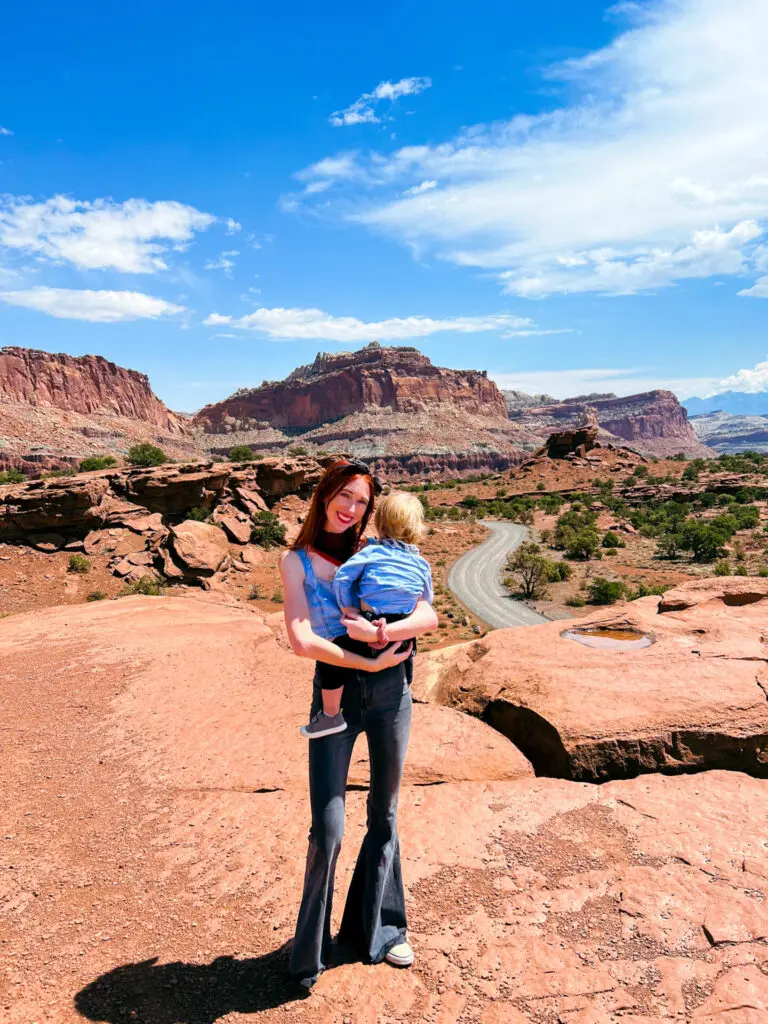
[729,434]
[738,403]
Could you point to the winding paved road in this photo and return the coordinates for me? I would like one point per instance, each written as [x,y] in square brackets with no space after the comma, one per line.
[476,579]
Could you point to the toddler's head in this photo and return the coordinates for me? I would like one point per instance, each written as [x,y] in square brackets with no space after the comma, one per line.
[400,516]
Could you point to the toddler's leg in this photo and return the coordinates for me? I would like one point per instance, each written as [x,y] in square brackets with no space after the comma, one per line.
[332,701]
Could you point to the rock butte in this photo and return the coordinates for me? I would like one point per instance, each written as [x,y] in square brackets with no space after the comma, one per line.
[155,829]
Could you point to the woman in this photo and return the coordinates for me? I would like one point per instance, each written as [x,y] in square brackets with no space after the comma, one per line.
[379,705]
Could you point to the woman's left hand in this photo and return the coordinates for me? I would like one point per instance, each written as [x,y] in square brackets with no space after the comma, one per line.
[359,628]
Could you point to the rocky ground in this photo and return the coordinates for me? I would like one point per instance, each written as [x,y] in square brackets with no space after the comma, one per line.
[154,829]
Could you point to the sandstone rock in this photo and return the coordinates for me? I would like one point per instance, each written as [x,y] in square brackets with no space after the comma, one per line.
[200,548]
[252,554]
[171,571]
[236,524]
[174,822]
[401,379]
[732,591]
[85,384]
[250,499]
[695,698]
[47,542]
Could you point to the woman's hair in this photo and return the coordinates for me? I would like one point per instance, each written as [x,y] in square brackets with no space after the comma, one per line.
[400,516]
[335,477]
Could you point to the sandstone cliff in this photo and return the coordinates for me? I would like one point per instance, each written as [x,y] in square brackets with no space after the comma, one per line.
[333,386]
[81,384]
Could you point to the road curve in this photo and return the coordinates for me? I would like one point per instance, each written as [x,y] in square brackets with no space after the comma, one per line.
[476,579]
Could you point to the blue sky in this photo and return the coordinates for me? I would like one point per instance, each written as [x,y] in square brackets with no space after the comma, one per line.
[572,196]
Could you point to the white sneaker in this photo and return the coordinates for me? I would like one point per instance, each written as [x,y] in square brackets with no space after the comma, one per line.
[323,725]
[400,955]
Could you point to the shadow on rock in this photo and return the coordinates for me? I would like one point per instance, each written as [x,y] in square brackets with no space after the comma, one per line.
[182,993]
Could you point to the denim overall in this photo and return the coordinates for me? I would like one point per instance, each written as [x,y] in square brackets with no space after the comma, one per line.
[378,704]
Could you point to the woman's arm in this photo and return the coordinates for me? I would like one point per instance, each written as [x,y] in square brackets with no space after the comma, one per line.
[305,642]
[421,620]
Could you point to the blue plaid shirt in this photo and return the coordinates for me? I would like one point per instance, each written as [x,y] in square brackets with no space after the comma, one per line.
[389,575]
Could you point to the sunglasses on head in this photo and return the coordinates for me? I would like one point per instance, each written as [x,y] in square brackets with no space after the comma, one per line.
[364,468]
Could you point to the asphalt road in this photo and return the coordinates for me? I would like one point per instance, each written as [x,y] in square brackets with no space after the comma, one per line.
[476,579]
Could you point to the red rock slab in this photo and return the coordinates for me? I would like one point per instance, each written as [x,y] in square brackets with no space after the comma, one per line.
[146,877]
[695,698]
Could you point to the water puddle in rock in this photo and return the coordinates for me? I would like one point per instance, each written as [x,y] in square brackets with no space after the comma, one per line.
[609,638]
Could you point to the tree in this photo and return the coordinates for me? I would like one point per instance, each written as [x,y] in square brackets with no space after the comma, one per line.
[603,591]
[146,455]
[529,569]
[704,540]
[241,453]
[583,545]
[669,545]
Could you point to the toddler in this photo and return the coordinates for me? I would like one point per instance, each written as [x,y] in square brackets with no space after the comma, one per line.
[384,580]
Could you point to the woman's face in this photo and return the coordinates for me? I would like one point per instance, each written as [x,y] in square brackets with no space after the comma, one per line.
[347,507]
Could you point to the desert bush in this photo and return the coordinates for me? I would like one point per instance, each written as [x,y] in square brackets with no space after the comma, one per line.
[96,595]
[611,552]
[53,474]
[277,595]
[79,564]
[558,571]
[255,593]
[643,590]
[148,586]
[603,591]
[723,568]
[12,476]
[241,453]
[298,449]
[146,455]
[198,513]
[576,601]
[268,531]
[582,545]
[740,570]
[97,462]
[540,487]
[613,540]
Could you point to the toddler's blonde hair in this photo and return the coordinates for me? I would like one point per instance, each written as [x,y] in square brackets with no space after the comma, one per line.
[400,516]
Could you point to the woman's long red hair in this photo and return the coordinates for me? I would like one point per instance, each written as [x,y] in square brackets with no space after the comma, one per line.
[336,476]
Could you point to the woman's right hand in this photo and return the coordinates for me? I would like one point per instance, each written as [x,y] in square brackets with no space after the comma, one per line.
[388,658]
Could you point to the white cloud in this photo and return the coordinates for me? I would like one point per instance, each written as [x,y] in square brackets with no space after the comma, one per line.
[223,262]
[750,381]
[5,131]
[656,171]
[291,324]
[98,306]
[759,289]
[569,383]
[363,110]
[132,236]
[416,190]
[232,226]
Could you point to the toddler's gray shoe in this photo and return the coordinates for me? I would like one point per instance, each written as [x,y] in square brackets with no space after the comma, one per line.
[323,725]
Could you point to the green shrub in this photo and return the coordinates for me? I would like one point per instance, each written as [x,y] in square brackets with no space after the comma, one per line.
[277,595]
[79,564]
[97,462]
[762,571]
[740,570]
[559,571]
[540,487]
[603,591]
[643,590]
[575,602]
[241,453]
[298,449]
[198,513]
[582,545]
[255,593]
[96,595]
[146,455]
[268,531]
[611,552]
[12,476]
[148,586]
[612,540]
[723,568]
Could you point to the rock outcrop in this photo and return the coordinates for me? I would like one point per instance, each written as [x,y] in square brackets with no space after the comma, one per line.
[154,837]
[83,384]
[694,699]
[728,434]
[333,386]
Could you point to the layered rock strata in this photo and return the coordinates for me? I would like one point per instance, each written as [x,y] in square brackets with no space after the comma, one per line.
[334,386]
[82,384]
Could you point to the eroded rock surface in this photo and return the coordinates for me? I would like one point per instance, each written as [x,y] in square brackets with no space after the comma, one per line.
[155,833]
[694,699]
